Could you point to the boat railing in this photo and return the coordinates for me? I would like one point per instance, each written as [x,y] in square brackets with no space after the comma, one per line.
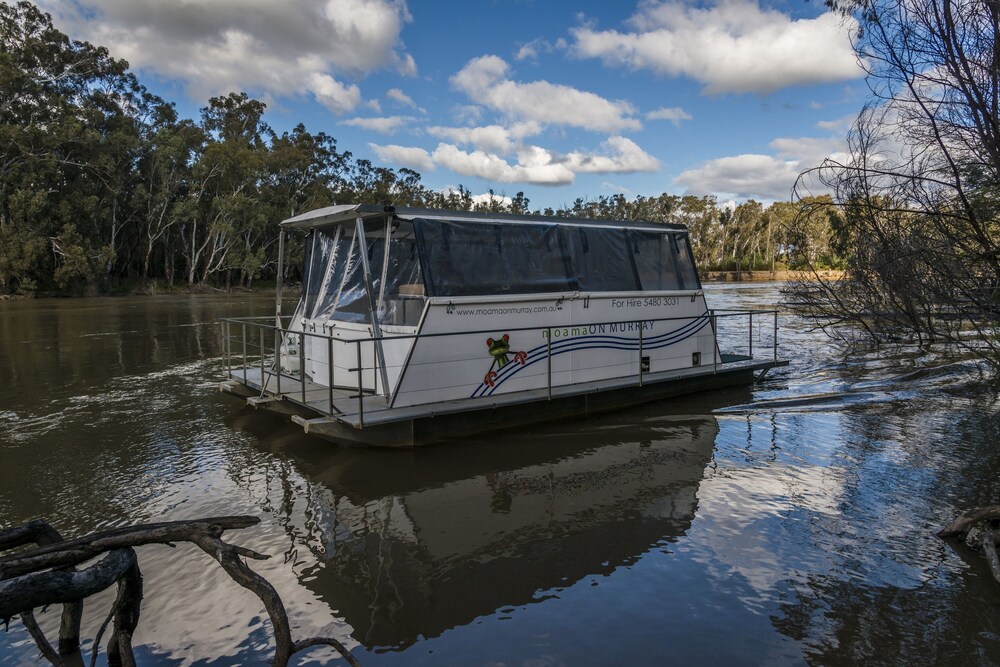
[737,329]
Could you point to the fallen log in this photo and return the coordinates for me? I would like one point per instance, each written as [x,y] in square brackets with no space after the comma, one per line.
[42,576]
[976,528]
[41,533]
[990,549]
[126,618]
[38,589]
[36,531]
[79,550]
[961,525]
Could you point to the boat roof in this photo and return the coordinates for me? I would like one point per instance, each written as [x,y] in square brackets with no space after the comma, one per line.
[348,213]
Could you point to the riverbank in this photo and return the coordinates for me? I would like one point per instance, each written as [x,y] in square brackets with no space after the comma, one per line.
[767,276]
[156,289]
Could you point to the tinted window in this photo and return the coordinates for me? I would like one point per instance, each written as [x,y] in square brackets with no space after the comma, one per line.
[655,261]
[685,263]
[487,258]
[601,259]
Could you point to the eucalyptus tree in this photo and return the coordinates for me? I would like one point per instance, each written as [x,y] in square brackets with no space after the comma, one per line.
[701,215]
[165,168]
[66,138]
[225,198]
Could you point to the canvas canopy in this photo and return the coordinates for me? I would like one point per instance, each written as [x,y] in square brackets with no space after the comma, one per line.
[477,259]
[389,268]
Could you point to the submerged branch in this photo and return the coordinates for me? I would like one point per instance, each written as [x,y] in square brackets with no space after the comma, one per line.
[961,525]
[990,550]
[38,589]
[42,534]
[978,529]
[73,552]
[28,580]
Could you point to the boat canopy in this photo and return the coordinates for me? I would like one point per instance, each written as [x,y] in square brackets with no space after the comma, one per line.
[361,261]
[466,258]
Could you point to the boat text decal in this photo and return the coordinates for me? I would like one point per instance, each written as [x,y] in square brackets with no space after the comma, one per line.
[507,364]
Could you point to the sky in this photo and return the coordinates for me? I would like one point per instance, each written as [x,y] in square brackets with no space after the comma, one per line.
[554,99]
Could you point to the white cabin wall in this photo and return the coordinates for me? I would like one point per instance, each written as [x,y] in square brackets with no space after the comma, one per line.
[583,349]
[448,366]
[345,355]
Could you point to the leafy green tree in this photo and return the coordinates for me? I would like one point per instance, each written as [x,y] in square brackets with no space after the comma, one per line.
[103,186]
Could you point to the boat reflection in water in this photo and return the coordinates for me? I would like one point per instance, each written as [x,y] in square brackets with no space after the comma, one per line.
[410,544]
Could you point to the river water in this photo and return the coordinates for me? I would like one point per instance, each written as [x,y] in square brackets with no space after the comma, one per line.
[789,523]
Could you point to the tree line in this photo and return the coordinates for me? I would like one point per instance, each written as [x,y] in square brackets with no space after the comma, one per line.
[104,188]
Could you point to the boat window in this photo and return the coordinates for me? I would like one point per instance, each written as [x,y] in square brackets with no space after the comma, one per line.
[352,302]
[601,259]
[317,253]
[401,300]
[339,241]
[342,293]
[655,260]
[375,240]
[462,258]
[685,263]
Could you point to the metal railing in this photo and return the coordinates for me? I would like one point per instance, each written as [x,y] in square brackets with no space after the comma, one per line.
[254,350]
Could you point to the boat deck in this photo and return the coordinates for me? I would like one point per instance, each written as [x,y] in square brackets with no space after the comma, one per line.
[313,404]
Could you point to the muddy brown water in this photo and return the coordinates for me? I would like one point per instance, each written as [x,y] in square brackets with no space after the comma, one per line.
[787,523]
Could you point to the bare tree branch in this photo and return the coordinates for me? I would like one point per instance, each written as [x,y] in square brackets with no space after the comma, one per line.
[27,580]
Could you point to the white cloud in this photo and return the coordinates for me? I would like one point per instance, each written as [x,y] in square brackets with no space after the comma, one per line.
[810,151]
[489,138]
[534,164]
[406,156]
[467,113]
[485,80]
[401,97]
[382,125]
[614,187]
[406,65]
[494,168]
[529,50]
[761,176]
[266,48]
[842,124]
[332,94]
[489,198]
[743,176]
[622,156]
[674,114]
[732,47]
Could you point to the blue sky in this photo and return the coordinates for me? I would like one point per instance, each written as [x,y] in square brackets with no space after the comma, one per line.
[559,100]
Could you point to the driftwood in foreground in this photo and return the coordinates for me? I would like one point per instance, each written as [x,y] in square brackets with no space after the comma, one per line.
[984,519]
[45,575]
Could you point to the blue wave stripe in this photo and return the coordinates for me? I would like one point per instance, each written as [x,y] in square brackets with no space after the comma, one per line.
[696,324]
[617,342]
[580,346]
[588,342]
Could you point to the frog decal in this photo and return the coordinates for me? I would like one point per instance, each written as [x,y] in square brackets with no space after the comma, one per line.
[499,349]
